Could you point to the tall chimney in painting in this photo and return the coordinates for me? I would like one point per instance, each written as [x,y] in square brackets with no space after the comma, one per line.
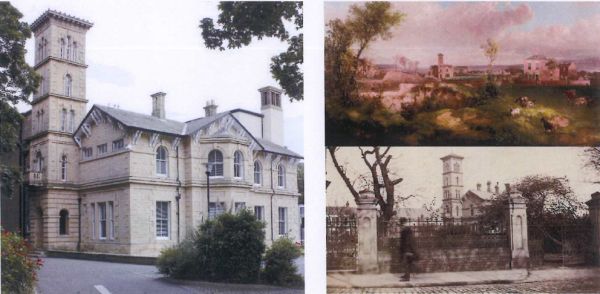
[440,59]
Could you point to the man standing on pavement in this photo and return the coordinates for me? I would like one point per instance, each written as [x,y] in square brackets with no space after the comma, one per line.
[407,248]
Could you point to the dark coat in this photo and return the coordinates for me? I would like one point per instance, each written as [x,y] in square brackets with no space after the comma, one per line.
[407,241]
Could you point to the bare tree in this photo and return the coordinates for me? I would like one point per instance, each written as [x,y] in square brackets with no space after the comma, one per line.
[593,160]
[490,50]
[380,180]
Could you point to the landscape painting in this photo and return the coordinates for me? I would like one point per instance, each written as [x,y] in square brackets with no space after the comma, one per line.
[462,73]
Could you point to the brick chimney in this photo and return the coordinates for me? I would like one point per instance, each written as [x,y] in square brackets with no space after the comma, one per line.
[497,188]
[440,59]
[272,111]
[210,109]
[158,104]
[478,186]
[489,186]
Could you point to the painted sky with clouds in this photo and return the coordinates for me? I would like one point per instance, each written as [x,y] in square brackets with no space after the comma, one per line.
[458,29]
[137,48]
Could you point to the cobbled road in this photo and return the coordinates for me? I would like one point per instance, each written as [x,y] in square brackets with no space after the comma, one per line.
[590,285]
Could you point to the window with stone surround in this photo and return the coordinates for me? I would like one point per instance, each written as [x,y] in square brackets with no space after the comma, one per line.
[238,165]
[68,83]
[111,221]
[87,152]
[282,221]
[281,176]
[63,168]
[161,161]
[72,121]
[162,220]
[239,206]
[215,209]
[102,148]
[63,119]
[259,212]
[63,223]
[257,173]
[39,162]
[102,218]
[117,145]
[93,213]
[62,48]
[215,161]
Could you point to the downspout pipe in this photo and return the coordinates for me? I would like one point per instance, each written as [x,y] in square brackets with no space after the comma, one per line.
[79,223]
[178,193]
[22,164]
[272,194]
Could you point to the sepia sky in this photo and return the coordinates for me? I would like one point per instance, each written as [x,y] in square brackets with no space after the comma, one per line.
[458,29]
[421,169]
[137,48]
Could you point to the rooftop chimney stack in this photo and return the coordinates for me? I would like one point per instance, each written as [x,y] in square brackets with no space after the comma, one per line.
[440,59]
[270,107]
[497,188]
[478,186]
[210,109]
[507,186]
[158,104]
[489,186]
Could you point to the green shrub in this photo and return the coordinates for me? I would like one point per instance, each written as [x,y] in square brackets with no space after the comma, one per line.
[230,248]
[178,261]
[279,264]
[18,270]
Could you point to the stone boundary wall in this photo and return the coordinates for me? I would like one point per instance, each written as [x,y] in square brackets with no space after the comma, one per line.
[143,260]
[451,260]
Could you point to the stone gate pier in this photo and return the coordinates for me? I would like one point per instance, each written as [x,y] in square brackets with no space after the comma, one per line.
[367,233]
[594,206]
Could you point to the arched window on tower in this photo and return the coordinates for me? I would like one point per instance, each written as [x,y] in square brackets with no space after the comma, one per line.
[39,162]
[161,161]
[457,167]
[446,167]
[63,168]
[257,173]
[457,211]
[68,85]
[63,224]
[44,48]
[72,121]
[74,51]
[238,165]
[62,48]
[457,181]
[215,162]
[472,210]
[69,47]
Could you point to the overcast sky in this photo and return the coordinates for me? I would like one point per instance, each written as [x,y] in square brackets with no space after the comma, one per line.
[421,169]
[137,48]
[562,30]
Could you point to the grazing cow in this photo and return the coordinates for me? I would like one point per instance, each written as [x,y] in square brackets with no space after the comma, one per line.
[524,101]
[571,95]
[582,101]
[515,111]
[548,126]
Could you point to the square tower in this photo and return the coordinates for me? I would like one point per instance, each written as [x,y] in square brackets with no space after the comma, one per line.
[452,186]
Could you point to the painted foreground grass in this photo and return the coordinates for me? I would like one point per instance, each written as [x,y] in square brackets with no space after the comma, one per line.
[492,123]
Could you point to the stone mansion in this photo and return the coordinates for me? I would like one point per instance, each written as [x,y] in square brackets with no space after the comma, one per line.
[115,181]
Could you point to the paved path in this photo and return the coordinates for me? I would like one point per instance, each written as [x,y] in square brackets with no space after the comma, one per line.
[388,280]
[60,275]
[587,285]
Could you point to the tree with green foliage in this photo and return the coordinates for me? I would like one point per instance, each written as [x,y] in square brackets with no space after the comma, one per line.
[239,22]
[19,272]
[490,50]
[279,264]
[347,40]
[17,79]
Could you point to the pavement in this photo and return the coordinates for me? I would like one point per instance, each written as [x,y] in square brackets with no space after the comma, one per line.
[391,280]
[61,275]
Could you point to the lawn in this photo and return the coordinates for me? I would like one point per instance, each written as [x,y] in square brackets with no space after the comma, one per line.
[491,124]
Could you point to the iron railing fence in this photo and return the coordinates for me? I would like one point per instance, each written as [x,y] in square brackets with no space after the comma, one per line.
[342,240]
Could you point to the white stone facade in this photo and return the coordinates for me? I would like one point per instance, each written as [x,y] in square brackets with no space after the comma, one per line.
[103,185]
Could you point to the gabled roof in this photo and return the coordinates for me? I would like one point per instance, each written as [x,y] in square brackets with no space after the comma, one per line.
[536,57]
[274,148]
[171,127]
[482,194]
[143,121]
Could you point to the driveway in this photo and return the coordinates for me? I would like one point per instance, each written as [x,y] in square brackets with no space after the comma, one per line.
[59,275]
